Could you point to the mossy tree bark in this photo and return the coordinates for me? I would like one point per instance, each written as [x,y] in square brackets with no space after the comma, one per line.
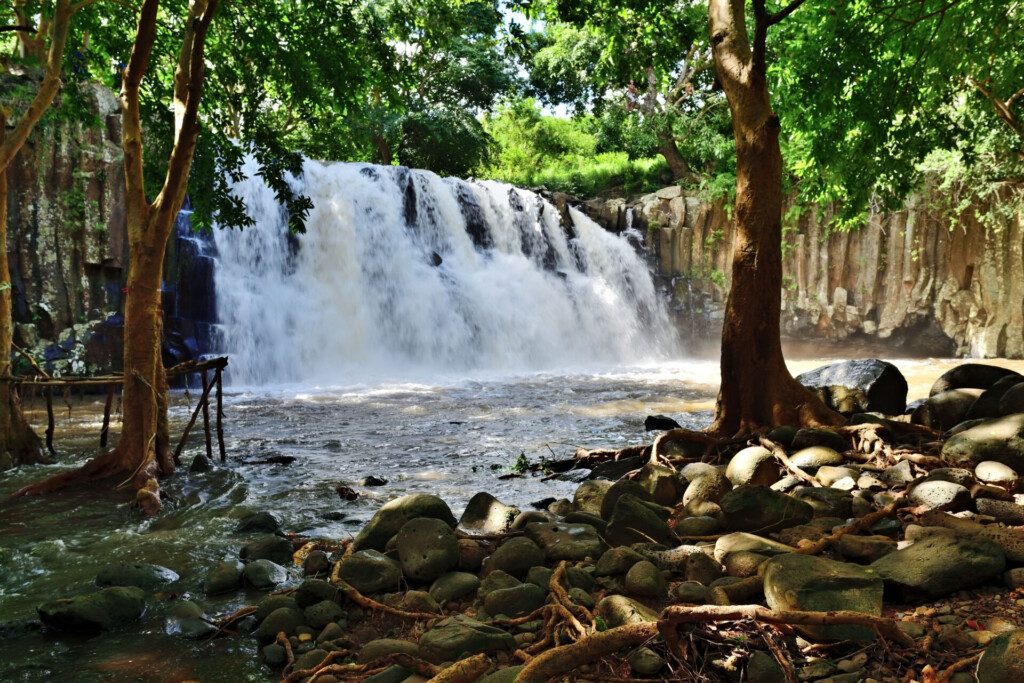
[19,444]
[142,454]
[757,388]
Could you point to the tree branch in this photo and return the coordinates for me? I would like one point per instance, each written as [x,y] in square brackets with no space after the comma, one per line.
[131,124]
[784,12]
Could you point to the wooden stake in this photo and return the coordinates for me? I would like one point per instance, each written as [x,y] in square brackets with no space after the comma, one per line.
[191,422]
[104,431]
[206,414]
[218,379]
[49,421]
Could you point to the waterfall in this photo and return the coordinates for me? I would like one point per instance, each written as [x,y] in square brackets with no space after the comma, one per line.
[401,271]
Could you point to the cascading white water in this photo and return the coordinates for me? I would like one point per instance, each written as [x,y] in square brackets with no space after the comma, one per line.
[401,271]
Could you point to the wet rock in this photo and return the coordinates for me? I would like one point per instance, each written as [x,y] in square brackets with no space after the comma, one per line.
[274,602]
[644,580]
[104,610]
[332,631]
[369,571]
[540,576]
[938,565]
[393,515]
[698,526]
[617,561]
[375,481]
[662,483]
[517,601]
[274,655]
[506,675]
[561,541]
[515,557]
[200,463]
[285,619]
[992,472]
[346,492]
[659,423]
[813,457]
[417,601]
[741,541]
[458,636]
[859,386]
[310,660]
[946,409]
[1003,659]
[1000,440]
[758,508]
[312,591]
[560,507]
[264,574]
[590,495]
[383,647]
[634,522]
[270,547]
[529,517]
[941,495]
[805,582]
[322,613]
[1002,510]
[618,610]
[471,555]
[496,580]
[262,521]
[691,593]
[971,376]
[864,549]
[485,514]
[753,465]
[148,577]
[187,619]
[317,563]
[1013,400]
[427,548]
[453,586]
[645,662]
[223,578]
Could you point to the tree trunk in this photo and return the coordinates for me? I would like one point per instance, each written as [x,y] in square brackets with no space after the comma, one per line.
[757,389]
[668,148]
[382,151]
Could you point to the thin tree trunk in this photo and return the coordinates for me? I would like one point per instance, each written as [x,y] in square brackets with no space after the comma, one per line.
[668,148]
[757,389]
[382,151]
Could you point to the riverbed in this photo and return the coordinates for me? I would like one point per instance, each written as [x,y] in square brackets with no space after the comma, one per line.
[452,436]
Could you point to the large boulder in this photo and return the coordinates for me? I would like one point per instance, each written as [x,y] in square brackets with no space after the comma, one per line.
[859,386]
[515,557]
[103,610]
[940,564]
[485,515]
[1001,440]
[1003,659]
[947,409]
[459,636]
[663,483]
[590,495]
[1013,400]
[269,547]
[393,515]
[145,576]
[971,376]
[805,582]
[369,571]
[989,405]
[561,541]
[427,548]
[753,465]
[758,508]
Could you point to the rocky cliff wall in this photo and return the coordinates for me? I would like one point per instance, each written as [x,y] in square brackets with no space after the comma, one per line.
[910,280]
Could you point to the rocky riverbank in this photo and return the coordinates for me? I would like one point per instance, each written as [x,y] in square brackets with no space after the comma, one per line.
[884,550]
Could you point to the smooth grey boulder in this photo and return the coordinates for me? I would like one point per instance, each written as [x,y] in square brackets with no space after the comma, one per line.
[859,386]
[369,571]
[223,578]
[561,541]
[458,636]
[264,574]
[427,548]
[753,465]
[393,515]
[517,601]
[940,564]
[1000,440]
[103,610]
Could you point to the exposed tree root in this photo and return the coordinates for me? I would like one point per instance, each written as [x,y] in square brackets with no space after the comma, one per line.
[561,660]
[300,674]
[577,612]
[855,526]
[780,454]
[463,671]
[282,640]
[738,592]
[779,652]
[369,603]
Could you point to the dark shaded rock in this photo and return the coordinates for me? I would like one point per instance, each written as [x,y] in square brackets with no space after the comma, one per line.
[200,463]
[427,548]
[274,602]
[485,514]
[393,515]
[561,541]
[224,577]
[374,481]
[310,660]
[859,386]
[619,489]
[645,662]
[312,591]
[322,613]
[369,571]
[496,580]
[945,410]
[758,508]
[285,619]
[698,526]
[273,548]
[1012,400]
[471,555]
[187,619]
[103,610]
[763,668]
[662,483]
[453,586]
[691,593]
[864,549]
[264,574]
[617,561]
[1003,659]
[824,438]
[659,423]
[987,405]
[634,522]
[517,601]
[590,495]
[317,563]
[579,517]
[264,521]
[455,637]
[506,675]
[971,376]
[346,492]
[515,557]
[805,582]
[644,580]
[938,565]
[1004,511]
[145,576]
[383,647]
[827,502]
[784,435]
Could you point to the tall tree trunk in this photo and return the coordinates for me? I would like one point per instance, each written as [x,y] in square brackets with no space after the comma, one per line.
[382,151]
[757,389]
[668,148]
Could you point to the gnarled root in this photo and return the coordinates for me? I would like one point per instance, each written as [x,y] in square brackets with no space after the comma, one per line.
[463,671]
[369,603]
[561,660]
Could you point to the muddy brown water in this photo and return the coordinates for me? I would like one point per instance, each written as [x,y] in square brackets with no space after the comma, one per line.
[448,436]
